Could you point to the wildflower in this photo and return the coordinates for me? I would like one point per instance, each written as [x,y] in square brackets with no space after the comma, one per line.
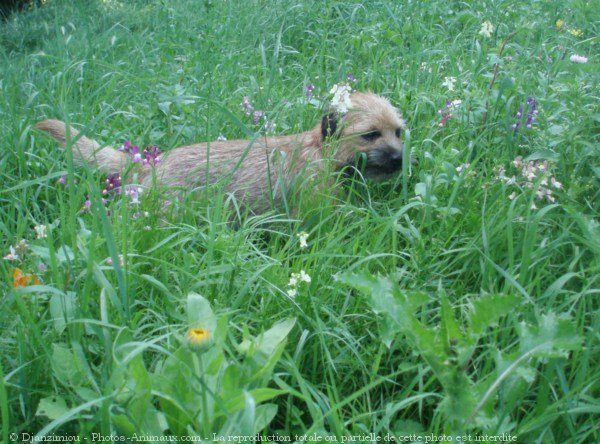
[309,89]
[341,98]
[110,262]
[486,29]
[555,183]
[247,106]
[463,167]
[533,111]
[151,155]
[304,277]
[350,77]
[113,183]
[543,192]
[221,138]
[560,24]
[575,32]
[133,150]
[62,180]
[518,117]
[21,279]
[40,231]
[578,59]
[269,126]
[302,237]
[513,195]
[133,192]
[42,267]
[449,83]
[518,161]
[295,279]
[12,255]
[257,115]
[22,246]
[445,113]
[198,338]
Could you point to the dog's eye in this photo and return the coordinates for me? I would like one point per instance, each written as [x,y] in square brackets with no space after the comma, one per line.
[371,136]
[398,132]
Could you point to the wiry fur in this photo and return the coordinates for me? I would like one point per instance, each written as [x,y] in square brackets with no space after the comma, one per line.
[266,161]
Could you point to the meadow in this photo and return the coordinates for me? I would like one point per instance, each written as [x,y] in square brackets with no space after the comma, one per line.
[457,301]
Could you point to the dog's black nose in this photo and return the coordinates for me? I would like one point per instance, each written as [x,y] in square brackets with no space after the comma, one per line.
[396,155]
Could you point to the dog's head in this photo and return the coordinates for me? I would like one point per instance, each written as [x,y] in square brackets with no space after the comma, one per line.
[369,136]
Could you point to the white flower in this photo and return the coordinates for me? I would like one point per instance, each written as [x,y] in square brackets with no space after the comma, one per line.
[578,59]
[512,196]
[293,280]
[292,292]
[40,231]
[134,193]
[501,173]
[486,29]
[12,256]
[302,237]
[109,260]
[461,168]
[555,183]
[341,98]
[518,161]
[221,138]
[304,277]
[449,83]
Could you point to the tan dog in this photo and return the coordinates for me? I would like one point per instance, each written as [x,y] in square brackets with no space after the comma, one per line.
[368,136]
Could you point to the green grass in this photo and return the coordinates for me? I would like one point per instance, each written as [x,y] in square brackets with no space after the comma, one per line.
[437,304]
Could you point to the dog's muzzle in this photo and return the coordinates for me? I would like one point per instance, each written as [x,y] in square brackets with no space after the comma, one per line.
[377,163]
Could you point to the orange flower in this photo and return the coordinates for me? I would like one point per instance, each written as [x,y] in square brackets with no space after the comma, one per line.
[23,280]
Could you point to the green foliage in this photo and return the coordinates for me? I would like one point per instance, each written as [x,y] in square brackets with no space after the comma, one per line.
[469,399]
[191,391]
[464,302]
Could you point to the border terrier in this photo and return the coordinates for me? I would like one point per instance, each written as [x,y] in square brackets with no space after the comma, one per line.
[367,138]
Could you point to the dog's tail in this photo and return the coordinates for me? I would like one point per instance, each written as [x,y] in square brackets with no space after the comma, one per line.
[85,150]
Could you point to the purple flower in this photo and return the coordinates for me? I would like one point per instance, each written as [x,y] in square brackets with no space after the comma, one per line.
[309,90]
[125,147]
[257,115]
[133,150]
[532,111]
[532,105]
[62,180]
[247,106]
[350,77]
[517,124]
[113,183]
[151,155]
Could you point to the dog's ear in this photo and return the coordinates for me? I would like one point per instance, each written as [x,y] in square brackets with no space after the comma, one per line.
[329,124]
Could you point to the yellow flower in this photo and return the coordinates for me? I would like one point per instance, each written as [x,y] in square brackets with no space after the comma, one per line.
[576,32]
[560,24]
[198,337]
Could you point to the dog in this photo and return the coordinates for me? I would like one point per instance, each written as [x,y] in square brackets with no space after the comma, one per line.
[366,138]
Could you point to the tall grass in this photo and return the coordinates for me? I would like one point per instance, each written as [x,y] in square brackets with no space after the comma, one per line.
[439,302]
